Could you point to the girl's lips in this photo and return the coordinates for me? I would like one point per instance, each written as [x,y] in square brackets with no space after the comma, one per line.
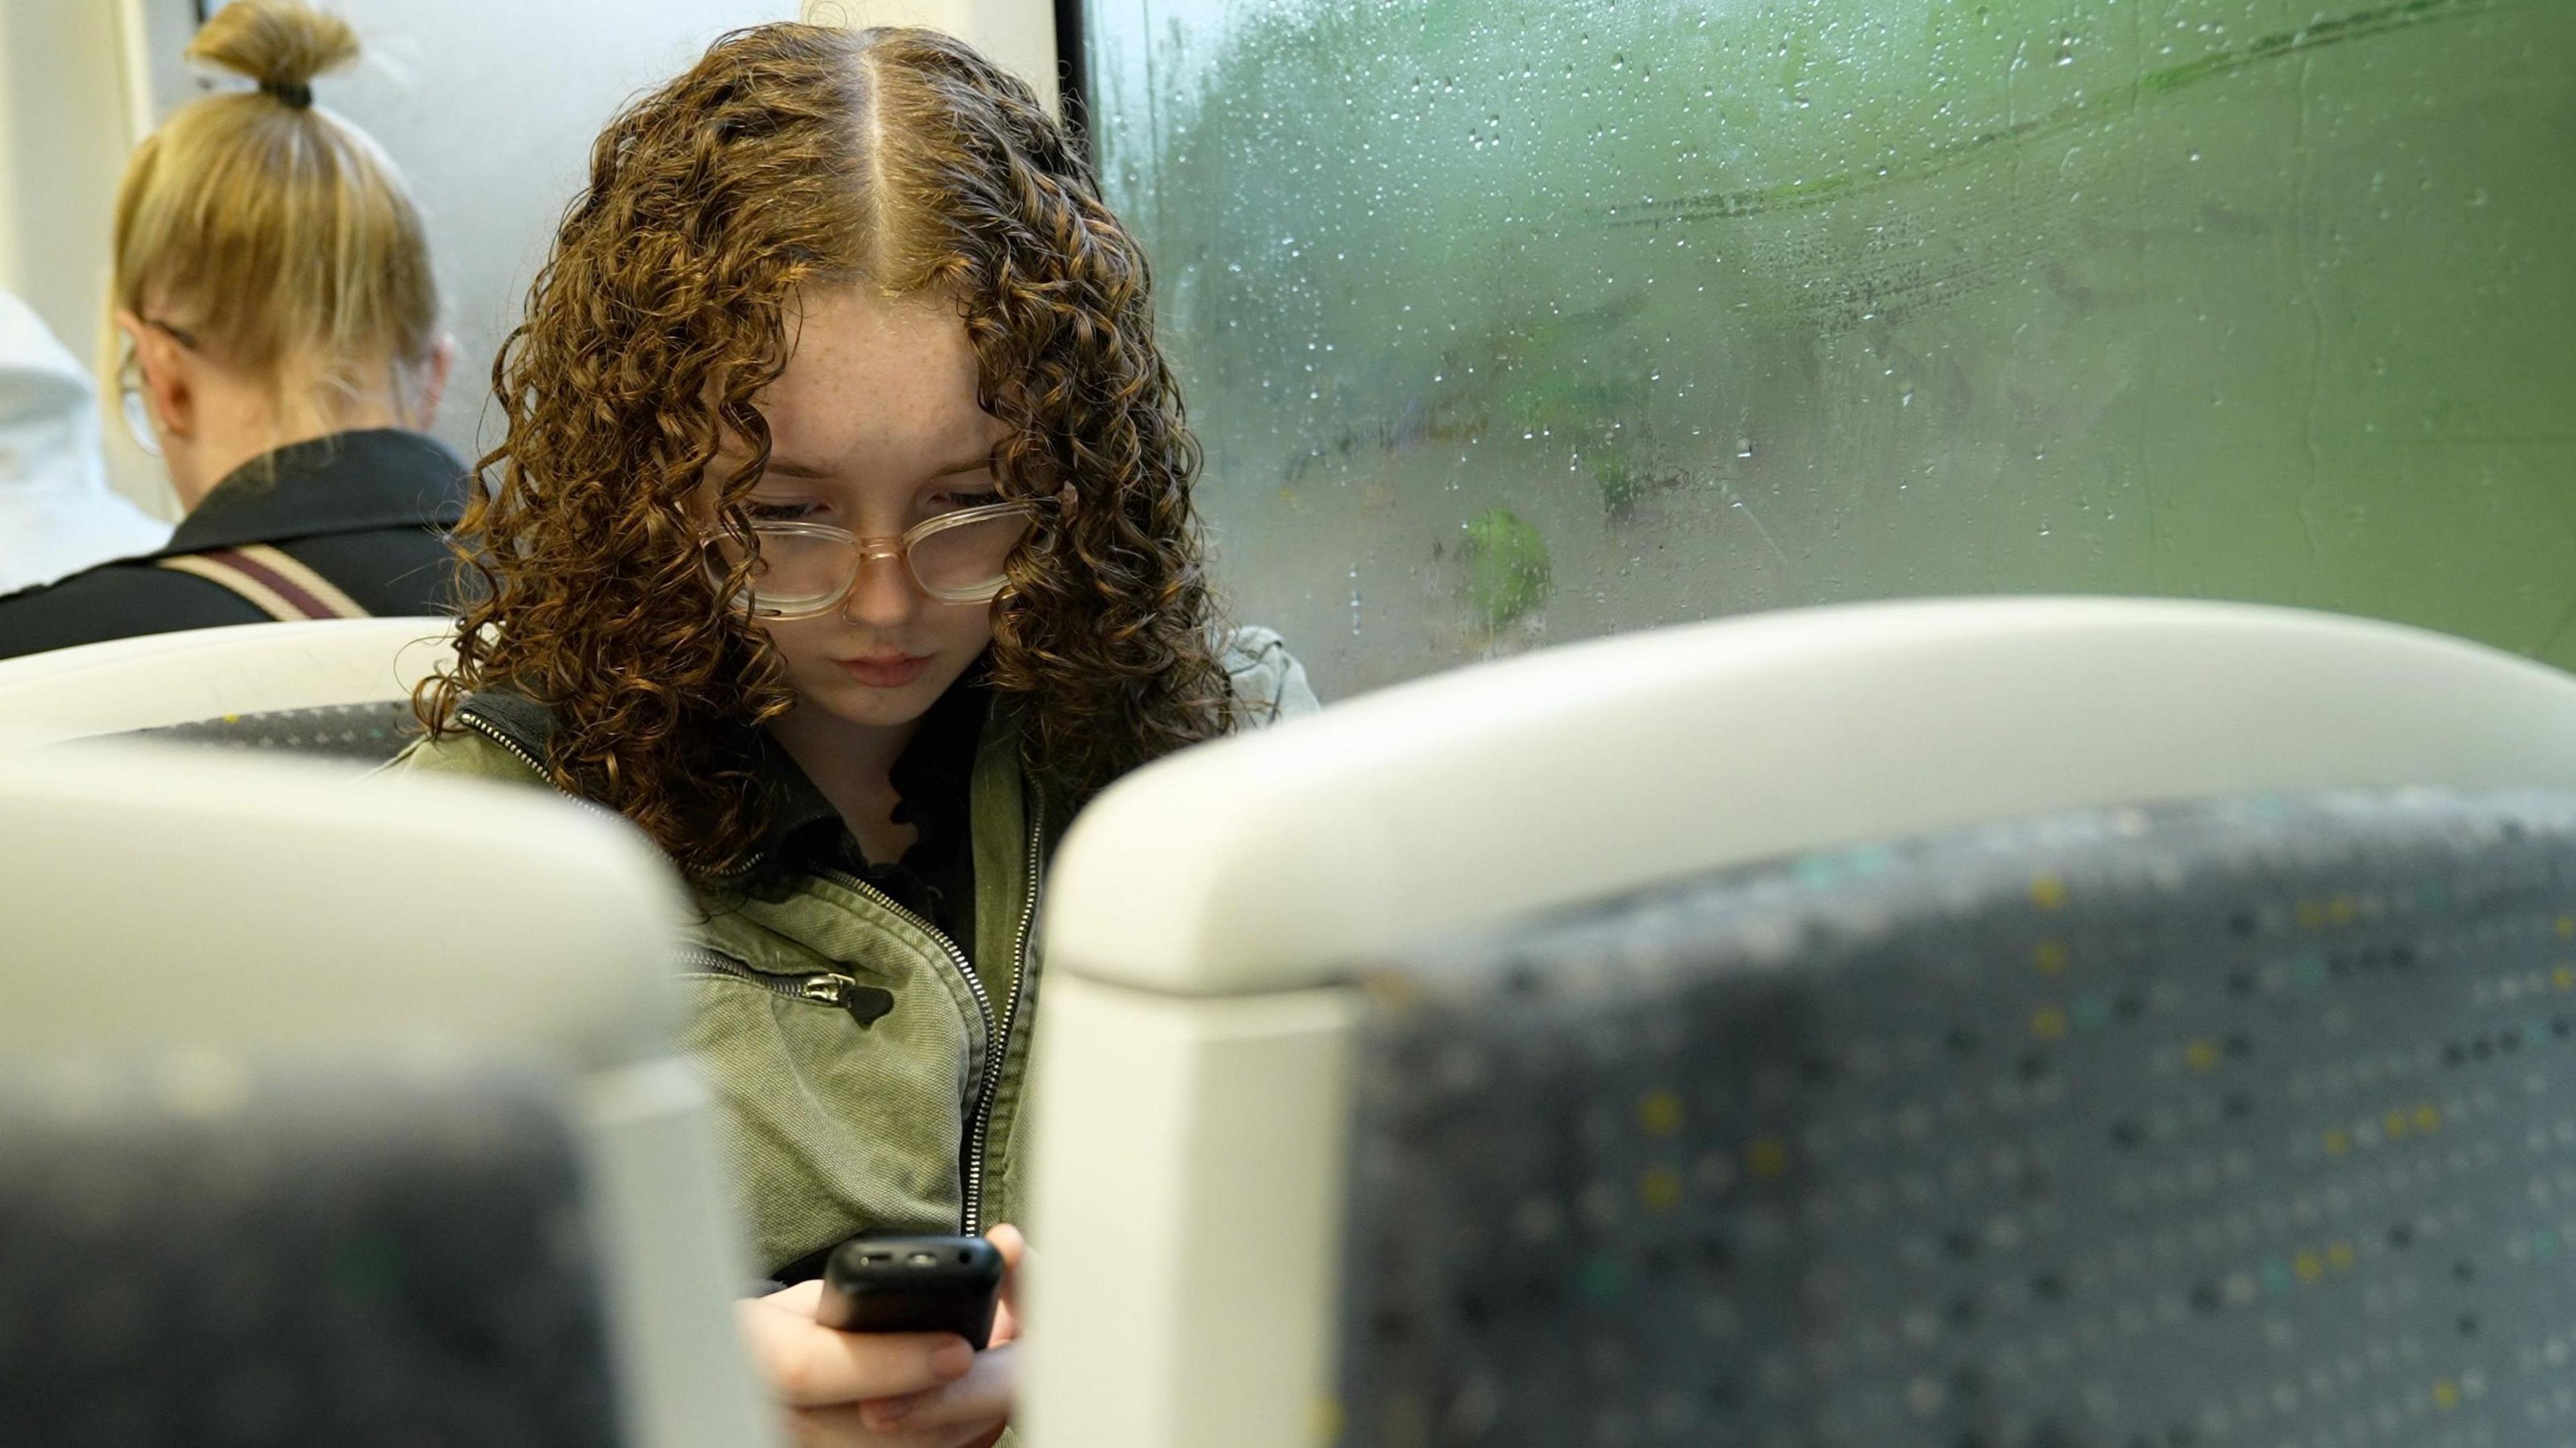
[891,671]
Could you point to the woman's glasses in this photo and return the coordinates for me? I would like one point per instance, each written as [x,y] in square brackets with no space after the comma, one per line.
[807,568]
[129,386]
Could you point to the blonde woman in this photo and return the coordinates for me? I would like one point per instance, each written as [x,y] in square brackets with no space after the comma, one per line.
[273,286]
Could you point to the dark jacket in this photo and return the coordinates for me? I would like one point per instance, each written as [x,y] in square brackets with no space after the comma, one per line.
[368,511]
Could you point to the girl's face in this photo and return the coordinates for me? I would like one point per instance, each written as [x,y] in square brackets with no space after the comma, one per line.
[874,428]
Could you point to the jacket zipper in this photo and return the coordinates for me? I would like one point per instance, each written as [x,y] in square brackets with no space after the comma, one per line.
[519,751]
[973,1206]
[822,988]
[1010,1015]
[997,1032]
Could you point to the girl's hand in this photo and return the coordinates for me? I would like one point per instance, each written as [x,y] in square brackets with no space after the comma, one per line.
[887,1389]
[979,1403]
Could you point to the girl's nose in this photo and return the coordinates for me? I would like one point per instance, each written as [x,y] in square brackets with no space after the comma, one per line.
[883,594]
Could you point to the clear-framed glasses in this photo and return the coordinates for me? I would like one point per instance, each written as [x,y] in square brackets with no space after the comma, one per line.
[807,568]
[129,386]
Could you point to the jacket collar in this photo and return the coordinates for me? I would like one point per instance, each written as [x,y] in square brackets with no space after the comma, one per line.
[935,766]
[940,759]
[348,482]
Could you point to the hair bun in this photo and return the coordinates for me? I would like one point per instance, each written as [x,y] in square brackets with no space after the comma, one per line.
[281,44]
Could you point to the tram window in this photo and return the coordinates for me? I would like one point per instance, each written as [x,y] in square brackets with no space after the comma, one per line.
[1514,320]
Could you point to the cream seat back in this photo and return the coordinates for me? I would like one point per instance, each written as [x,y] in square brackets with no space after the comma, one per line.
[375,1052]
[339,687]
[1208,917]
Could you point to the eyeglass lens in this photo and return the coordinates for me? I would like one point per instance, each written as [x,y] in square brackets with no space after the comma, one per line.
[799,571]
[138,418]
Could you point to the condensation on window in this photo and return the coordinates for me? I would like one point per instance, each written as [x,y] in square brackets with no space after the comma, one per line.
[1516,321]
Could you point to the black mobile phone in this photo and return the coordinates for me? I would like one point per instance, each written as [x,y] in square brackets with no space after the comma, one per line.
[913,1284]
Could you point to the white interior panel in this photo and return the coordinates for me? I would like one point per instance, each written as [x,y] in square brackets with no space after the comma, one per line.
[1188,1219]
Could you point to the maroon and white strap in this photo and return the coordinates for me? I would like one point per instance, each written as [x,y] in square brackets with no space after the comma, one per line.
[270,581]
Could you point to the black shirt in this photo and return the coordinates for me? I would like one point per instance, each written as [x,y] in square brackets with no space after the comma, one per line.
[369,511]
[935,878]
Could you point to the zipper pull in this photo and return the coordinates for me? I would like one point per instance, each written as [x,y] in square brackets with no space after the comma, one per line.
[866,1004]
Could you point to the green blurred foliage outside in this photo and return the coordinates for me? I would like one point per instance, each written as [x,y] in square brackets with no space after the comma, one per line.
[1732,306]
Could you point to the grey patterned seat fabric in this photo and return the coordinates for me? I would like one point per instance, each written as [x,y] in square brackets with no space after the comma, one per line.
[372,732]
[2229,1124]
[197,1252]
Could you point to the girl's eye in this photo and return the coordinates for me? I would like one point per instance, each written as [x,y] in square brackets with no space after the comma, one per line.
[955,502]
[760,512]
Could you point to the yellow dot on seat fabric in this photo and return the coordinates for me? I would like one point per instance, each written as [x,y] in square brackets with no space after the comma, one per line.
[1660,1189]
[2049,956]
[2309,1266]
[2048,892]
[2427,1117]
[2563,978]
[1767,1158]
[2337,1143]
[2446,1394]
[2048,1023]
[2567,927]
[1660,1113]
[2201,1055]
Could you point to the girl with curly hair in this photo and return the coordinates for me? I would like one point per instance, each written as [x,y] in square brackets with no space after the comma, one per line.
[841,539]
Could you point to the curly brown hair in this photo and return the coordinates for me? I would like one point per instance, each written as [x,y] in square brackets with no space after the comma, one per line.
[790,157]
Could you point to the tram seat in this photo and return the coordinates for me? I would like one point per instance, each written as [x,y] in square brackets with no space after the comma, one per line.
[1906,1023]
[338,689]
[338,1113]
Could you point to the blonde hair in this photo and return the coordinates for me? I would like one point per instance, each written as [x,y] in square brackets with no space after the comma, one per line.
[275,234]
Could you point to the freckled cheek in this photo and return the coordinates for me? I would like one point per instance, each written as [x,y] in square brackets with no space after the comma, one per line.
[958,627]
[801,648]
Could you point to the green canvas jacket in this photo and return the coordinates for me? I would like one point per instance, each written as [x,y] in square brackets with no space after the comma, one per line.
[873,1070]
